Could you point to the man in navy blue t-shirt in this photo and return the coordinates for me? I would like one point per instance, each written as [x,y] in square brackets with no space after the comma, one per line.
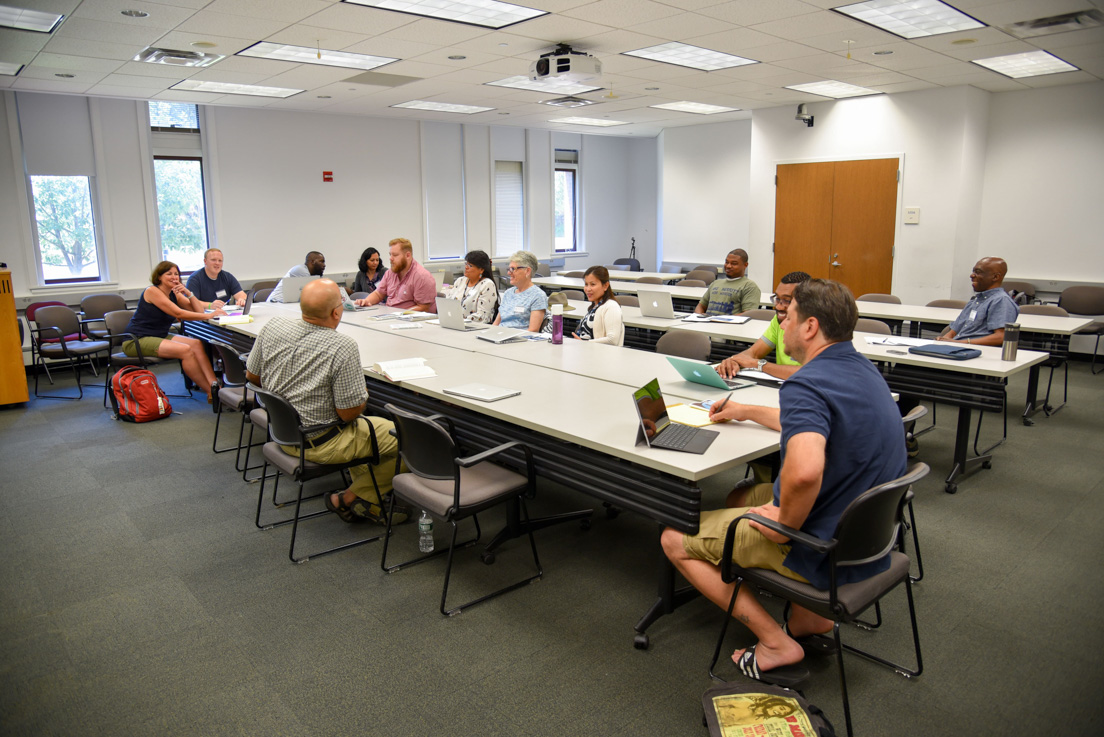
[841,435]
[213,285]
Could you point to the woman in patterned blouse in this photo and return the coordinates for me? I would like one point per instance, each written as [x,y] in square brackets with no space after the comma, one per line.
[476,289]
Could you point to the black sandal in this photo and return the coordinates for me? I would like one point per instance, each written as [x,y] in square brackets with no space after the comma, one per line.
[341,509]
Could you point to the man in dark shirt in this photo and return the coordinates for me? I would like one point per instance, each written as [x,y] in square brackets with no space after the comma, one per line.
[213,285]
[841,435]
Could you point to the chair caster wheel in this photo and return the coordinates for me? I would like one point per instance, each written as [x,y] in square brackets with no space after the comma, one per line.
[641,641]
[951,488]
[487,558]
[986,464]
[584,524]
[1028,422]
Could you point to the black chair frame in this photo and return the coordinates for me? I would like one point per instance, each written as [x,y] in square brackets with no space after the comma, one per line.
[233,378]
[282,417]
[73,360]
[470,511]
[147,362]
[880,510]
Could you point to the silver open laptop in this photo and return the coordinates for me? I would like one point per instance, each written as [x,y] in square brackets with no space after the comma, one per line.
[293,286]
[451,315]
[656,304]
[502,335]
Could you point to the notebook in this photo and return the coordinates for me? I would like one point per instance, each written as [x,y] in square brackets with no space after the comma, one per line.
[451,316]
[482,392]
[657,430]
[656,304]
[703,373]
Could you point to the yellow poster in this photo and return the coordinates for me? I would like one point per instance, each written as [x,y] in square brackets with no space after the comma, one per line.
[761,715]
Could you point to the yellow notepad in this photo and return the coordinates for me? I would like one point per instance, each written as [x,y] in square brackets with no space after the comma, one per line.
[684,414]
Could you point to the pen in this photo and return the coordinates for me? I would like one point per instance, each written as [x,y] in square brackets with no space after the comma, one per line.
[724,402]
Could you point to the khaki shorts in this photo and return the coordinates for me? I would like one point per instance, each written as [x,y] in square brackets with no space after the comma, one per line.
[750,549]
[149,346]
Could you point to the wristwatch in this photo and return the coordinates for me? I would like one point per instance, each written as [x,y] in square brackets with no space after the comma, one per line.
[762,362]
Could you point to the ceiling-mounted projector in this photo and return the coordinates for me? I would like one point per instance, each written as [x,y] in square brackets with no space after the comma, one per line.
[565,64]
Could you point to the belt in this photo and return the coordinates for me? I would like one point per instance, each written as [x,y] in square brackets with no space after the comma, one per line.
[325,437]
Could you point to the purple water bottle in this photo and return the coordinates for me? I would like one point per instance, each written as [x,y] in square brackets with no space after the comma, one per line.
[557,324]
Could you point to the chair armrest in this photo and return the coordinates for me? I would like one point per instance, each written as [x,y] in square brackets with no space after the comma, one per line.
[448,423]
[796,536]
[51,329]
[490,453]
[90,320]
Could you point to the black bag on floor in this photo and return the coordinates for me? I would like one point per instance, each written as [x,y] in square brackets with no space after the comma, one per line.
[761,710]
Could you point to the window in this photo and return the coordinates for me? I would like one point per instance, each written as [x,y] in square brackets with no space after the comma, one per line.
[509,208]
[566,200]
[181,210]
[65,229]
[178,179]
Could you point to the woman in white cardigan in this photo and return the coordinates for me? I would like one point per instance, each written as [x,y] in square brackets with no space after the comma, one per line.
[602,322]
[476,289]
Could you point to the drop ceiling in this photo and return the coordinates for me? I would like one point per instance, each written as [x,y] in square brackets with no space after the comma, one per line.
[795,41]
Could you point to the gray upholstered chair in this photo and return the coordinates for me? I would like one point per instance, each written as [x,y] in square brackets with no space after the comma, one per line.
[868,325]
[760,314]
[876,297]
[234,396]
[59,336]
[628,300]
[1058,357]
[707,267]
[618,267]
[285,428]
[576,294]
[706,275]
[632,263]
[954,304]
[94,307]
[686,344]
[266,284]
[649,280]
[692,283]
[1087,301]
[543,269]
[575,274]
[1026,288]
[868,529]
[261,295]
[669,269]
[453,487]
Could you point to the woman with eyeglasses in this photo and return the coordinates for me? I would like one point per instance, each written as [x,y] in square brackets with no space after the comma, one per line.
[476,289]
[369,273]
[524,304]
[602,322]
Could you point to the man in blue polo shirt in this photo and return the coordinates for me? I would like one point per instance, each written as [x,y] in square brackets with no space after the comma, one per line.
[213,285]
[841,435]
[982,320]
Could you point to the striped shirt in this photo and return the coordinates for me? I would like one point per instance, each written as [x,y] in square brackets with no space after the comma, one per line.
[315,368]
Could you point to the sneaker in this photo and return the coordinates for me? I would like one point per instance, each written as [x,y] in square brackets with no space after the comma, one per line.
[912,446]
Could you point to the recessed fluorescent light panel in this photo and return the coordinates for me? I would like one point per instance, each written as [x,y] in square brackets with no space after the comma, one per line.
[1029,64]
[28,20]
[227,88]
[699,108]
[910,18]
[443,107]
[548,84]
[833,89]
[9,70]
[308,55]
[597,122]
[695,57]
[485,13]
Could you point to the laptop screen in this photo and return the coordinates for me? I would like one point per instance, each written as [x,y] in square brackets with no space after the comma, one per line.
[652,409]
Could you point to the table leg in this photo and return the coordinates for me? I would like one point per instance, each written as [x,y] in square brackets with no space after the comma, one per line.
[963,464]
[516,528]
[1033,403]
[668,599]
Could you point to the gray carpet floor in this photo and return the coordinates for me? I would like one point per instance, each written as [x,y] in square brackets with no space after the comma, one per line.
[138,598]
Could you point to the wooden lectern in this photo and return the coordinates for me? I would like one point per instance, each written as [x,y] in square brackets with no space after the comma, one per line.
[13,376]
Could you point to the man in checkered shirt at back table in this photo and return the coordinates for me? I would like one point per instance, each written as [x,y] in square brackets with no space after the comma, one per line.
[317,370]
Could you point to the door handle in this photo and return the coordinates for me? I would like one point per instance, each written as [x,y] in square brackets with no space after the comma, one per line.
[836,263]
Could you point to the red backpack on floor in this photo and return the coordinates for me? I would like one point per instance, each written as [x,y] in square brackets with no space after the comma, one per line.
[136,397]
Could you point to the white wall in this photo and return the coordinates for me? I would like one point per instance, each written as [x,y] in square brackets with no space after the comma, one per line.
[705,195]
[1043,205]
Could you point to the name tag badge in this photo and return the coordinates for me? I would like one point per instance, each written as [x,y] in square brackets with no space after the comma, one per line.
[973,314]
[220,294]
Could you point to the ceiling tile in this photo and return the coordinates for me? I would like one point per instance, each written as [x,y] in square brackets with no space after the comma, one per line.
[358,19]
[1087,37]
[116,91]
[616,42]
[505,44]
[163,71]
[199,98]
[557,29]
[312,36]
[393,47]
[118,33]
[436,32]
[909,86]
[151,84]
[859,38]
[946,42]
[782,50]
[809,25]
[214,74]
[160,16]
[286,11]
[1004,84]
[968,53]
[72,86]
[753,12]
[310,76]
[209,22]
[250,64]
[1053,80]
[441,57]
[739,41]
[98,49]
[224,45]
[83,77]
[13,40]
[621,12]
[681,27]
[1004,13]
[85,63]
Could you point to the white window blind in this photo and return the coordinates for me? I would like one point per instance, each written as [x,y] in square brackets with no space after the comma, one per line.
[509,208]
[57,134]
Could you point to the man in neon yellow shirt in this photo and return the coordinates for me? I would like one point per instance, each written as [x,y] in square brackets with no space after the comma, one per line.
[755,357]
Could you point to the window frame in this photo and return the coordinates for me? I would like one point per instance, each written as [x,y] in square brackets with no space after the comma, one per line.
[204,197]
[574,170]
[97,233]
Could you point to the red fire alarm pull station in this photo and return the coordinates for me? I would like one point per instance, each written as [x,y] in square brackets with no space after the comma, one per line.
[327,176]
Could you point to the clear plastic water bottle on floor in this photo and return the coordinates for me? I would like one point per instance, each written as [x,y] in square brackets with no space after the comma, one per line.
[425,533]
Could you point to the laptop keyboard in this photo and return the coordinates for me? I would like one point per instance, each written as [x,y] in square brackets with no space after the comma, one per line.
[675,436]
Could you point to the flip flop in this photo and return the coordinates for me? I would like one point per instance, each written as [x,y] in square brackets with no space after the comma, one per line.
[813,644]
[340,509]
[786,676]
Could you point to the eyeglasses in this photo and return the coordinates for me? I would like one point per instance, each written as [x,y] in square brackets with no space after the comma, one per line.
[781,300]
[512,269]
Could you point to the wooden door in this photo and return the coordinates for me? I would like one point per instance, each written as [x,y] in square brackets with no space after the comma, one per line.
[802,220]
[864,205]
[836,220]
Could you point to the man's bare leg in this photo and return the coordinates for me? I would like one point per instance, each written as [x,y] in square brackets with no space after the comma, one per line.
[775,647]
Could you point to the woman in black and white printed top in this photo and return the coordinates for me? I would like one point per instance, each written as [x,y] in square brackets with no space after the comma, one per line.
[476,289]
[602,322]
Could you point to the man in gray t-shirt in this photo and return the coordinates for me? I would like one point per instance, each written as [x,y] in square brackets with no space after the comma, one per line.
[982,320]
[318,371]
[315,265]
[732,293]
